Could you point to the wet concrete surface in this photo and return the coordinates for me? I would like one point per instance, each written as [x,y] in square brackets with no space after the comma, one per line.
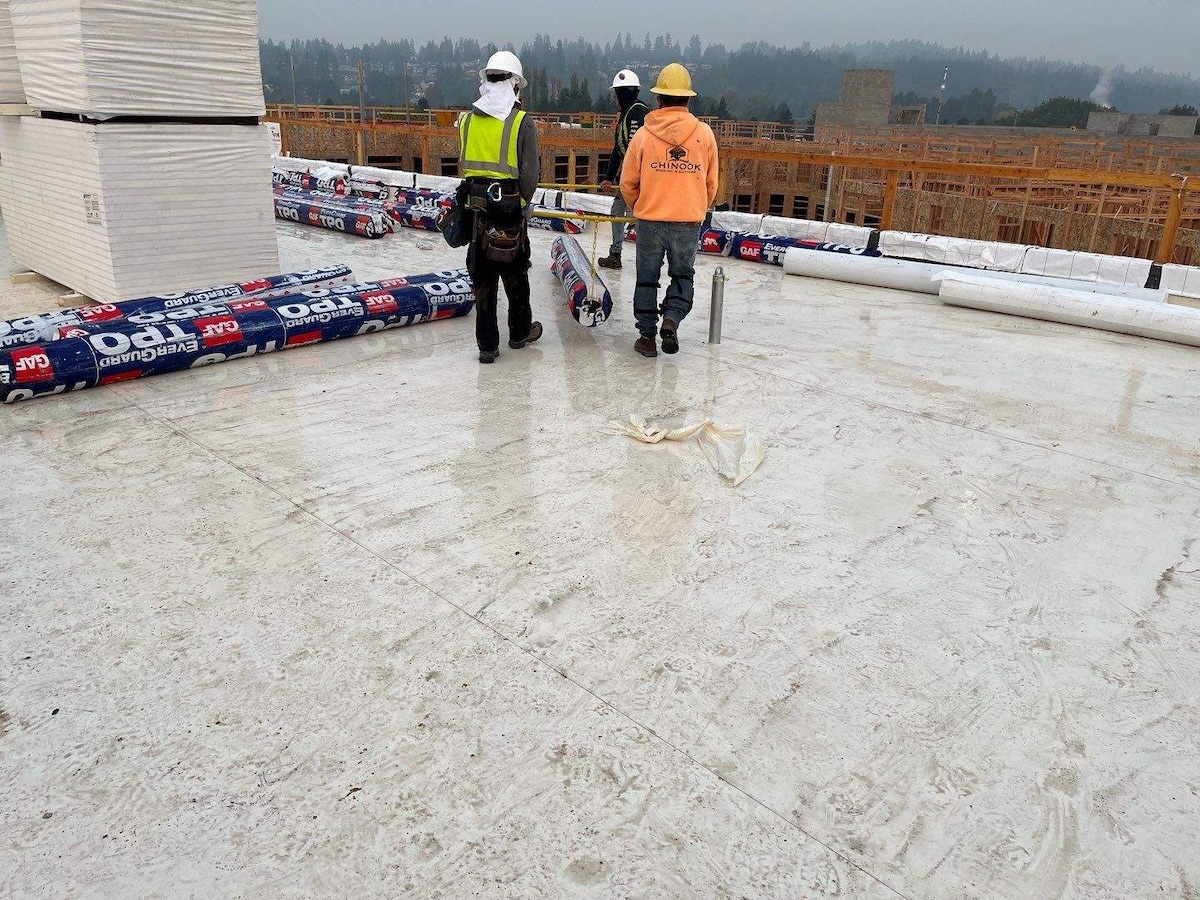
[368,619]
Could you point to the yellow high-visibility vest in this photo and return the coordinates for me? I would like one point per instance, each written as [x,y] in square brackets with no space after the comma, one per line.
[623,135]
[489,146]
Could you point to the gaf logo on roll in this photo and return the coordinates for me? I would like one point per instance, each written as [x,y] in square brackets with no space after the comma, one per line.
[31,364]
[380,303]
[248,305]
[750,250]
[104,312]
[216,331]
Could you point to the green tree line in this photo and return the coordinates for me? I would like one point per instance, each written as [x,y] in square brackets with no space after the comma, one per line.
[755,81]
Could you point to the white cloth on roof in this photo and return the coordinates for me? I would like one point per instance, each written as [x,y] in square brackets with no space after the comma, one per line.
[496,98]
[734,451]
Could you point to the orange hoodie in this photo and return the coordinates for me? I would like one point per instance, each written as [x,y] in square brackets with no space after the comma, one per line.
[670,172]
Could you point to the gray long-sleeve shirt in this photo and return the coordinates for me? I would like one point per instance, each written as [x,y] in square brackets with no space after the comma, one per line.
[529,159]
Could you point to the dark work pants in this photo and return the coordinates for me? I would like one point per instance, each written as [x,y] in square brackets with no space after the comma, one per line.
[486,277]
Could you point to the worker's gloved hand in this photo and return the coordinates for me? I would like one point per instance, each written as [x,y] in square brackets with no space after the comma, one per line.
[606,185]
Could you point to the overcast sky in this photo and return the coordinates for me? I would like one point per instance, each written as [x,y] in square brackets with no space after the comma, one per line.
[1164,34]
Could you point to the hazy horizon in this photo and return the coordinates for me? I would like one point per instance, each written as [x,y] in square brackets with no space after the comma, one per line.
[1121,34]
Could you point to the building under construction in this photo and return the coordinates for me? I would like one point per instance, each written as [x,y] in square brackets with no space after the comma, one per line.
[1100,191]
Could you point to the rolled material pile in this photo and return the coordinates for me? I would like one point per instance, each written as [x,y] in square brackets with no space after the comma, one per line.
[767,248]
[385,210]
[547,201]
[374,190]
[426,197]
[174,338]
[422,213]
[330,181]
[329,198]
[335,217]
[1158,321]
[326,198]
[53,326]
[587,296]
[924,278]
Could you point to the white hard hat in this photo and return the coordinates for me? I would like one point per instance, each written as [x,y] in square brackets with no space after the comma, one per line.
[626,78]
[505,63]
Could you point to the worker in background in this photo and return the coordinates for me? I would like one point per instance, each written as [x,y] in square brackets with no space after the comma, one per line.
[669,180]
[627,87]
[501,168]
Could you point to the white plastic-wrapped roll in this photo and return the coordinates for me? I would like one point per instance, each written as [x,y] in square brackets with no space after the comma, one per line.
[1159,321]
[1181,280]
[593,204]
[393,177]
[922,278]
[438,182]
[992,255]
[748,223]
[1078,266]
[805,229]
[896,274]
[850,235]
[600,204]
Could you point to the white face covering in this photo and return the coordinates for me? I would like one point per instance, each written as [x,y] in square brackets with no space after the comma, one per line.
[496,98]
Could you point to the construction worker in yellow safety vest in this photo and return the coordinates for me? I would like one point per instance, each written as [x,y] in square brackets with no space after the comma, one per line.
[501,167]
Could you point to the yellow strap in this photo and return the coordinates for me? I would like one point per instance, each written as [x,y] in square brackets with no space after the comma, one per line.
[579,217]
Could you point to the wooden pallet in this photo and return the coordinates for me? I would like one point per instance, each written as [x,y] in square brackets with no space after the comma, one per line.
[68,297]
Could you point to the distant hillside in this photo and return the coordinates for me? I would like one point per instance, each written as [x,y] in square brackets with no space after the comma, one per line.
[754,81]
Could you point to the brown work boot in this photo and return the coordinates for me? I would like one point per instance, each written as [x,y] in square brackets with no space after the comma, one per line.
[612,261]
[535,332]
[670,336]
[646,346]
[487,357]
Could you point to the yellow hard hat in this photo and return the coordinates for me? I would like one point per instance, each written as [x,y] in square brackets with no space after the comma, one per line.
[674,81]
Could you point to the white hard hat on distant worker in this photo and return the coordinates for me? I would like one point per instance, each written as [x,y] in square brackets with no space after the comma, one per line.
[626,78]
[505,63]
[674,81]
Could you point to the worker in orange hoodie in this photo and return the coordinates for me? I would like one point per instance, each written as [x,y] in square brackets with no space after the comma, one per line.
[669,181]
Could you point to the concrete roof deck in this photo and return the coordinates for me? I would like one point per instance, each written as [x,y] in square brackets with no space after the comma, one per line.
[368,619]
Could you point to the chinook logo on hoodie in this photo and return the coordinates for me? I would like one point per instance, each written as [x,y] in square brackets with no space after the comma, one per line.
[677,163]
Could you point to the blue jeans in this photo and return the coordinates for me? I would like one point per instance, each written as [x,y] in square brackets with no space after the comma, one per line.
[677,242]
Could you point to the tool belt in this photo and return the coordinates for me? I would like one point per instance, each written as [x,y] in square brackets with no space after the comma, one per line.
[499,217]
